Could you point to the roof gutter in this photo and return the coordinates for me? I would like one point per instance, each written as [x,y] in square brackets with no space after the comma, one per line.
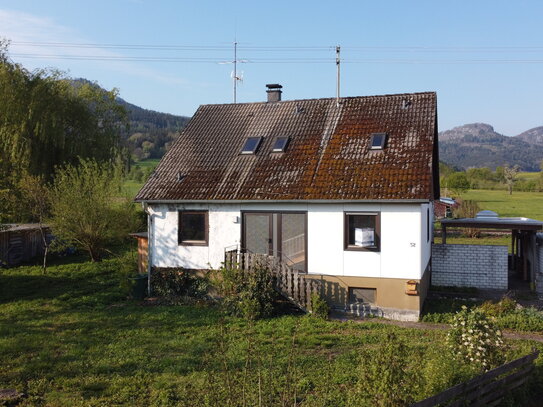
[298,201]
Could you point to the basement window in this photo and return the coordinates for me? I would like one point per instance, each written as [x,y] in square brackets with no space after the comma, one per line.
[378,141]
[251,145]
[359,295]
[363,231]
[193,228]
[280,144]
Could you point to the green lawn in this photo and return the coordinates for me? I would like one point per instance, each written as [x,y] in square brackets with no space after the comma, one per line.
[526,204]
[70,338]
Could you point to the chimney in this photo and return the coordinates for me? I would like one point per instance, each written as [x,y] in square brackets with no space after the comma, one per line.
[274,92]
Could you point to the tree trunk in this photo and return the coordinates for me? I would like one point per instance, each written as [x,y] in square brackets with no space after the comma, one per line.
[45,248]
[94,254]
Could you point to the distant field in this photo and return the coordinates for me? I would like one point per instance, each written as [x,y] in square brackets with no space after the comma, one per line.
[151,162]
[132,187]
[529,176]
[526,204]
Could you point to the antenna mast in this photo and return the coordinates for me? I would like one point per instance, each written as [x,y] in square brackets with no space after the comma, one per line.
[338,63]
[235,78]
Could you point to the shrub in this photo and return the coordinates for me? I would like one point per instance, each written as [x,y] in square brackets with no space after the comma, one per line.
[246,293]
[177,285]
[474,340]
[468,209]
[86,210]
[496,309]
[319,307]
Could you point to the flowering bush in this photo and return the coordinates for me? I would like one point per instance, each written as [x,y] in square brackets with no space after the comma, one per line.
[474,339]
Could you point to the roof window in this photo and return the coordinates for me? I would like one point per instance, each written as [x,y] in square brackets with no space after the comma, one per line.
[251,145]
[280,144]
[378,141]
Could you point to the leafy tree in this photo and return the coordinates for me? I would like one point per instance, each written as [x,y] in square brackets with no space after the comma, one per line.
[458,183]
[46,121]
[86,210]
[510,176]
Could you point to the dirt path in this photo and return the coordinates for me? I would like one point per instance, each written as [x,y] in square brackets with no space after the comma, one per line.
[424,325]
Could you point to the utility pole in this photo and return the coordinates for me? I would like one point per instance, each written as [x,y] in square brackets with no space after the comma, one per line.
[338,63]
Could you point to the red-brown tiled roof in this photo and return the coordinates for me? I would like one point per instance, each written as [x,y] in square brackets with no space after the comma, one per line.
[328,156]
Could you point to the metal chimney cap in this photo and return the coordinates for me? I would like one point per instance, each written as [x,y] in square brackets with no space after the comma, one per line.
[273,86]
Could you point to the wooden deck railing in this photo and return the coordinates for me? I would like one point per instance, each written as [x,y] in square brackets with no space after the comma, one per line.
[487,389]
[290,283]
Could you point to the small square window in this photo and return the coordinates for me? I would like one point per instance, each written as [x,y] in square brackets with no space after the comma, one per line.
[280,144]
[378,141]
[193,227]
[362,295]
[251,145]
[362,231]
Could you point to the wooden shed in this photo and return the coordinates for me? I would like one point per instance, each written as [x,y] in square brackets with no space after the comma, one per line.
[143,251]
[21,242]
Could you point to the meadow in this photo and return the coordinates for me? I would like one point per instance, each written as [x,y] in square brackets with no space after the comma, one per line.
[519,204]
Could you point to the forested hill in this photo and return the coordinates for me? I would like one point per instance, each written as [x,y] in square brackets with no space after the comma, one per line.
[479,145]
[149,133]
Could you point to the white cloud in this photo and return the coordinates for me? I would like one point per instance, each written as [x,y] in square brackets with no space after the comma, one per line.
[19,27]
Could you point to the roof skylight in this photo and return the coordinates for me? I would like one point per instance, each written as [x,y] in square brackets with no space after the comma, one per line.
[378,141]
[280,144]
[251,145]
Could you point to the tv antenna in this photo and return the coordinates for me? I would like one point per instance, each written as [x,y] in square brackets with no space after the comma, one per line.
[235,77]
[338,64]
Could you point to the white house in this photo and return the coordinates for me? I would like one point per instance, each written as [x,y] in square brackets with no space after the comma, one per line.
[341,191]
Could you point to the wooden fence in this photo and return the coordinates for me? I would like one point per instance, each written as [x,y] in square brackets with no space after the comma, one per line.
[487,389]
[290,283]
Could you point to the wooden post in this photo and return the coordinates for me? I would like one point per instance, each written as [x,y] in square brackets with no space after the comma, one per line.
[296,292]
[443,234]
[524,258]
[309,291]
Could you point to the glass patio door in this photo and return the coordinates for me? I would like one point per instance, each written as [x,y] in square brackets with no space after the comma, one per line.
[258,232]
[282,235]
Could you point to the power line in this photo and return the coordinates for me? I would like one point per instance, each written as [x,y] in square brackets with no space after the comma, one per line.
[276,60]
[284,48]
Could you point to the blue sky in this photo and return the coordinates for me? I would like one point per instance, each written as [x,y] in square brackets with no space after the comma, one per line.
[388,46]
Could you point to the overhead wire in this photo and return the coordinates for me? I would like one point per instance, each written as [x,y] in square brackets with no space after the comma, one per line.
[283,59]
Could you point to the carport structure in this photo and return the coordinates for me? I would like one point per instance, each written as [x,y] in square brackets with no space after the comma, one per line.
[524,259]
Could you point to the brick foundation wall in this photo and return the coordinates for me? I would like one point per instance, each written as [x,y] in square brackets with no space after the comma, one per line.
[462,265]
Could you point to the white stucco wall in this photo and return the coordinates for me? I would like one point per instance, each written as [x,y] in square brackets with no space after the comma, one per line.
[404,249]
